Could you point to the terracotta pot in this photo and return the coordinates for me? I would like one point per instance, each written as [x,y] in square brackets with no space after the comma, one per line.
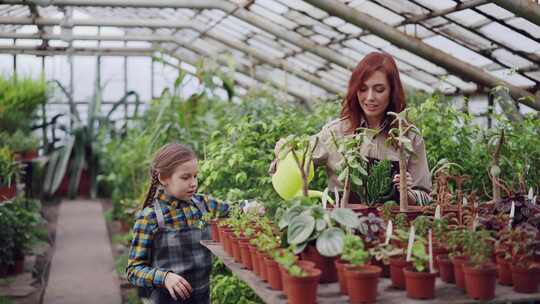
[437,251]
[235,245]
[325,264]
[262,266]
[446,269]
[480,282]
[29,155]
[504,276]
[284,279]
[254,263]
[362,283]
[364,209]
[227,245]
[385,269]
[397,264]
[303,290]
[340,267]
[419,285]
[412,212]
[214,230]
[459,276]
[273,274]
[245,256]
[306,264]
[525,280]
[7,193]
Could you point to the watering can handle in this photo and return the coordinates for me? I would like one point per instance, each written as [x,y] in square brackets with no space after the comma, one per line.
[277,149]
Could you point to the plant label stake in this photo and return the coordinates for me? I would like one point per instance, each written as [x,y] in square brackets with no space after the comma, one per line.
[430,252]
[475,222]
[389,229]
[324,198]
[512,212]
[336,192]
[530,196]
[438,212]
[410,244]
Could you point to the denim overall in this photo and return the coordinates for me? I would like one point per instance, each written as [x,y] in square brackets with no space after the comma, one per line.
[180,251]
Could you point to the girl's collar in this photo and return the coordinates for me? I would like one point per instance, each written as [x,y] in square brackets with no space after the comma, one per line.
[169,199]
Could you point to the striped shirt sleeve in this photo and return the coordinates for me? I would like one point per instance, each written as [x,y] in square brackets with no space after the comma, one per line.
[139,270]
[422,198]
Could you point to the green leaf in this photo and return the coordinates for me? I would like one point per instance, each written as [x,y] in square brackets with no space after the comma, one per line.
[345,217]
[320,224]
[330,242]
[300,229]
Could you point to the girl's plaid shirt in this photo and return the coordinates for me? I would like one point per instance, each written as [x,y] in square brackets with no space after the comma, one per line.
[178,214]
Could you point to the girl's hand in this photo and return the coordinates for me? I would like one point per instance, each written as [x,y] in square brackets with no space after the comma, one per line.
[177,285]
[397,179]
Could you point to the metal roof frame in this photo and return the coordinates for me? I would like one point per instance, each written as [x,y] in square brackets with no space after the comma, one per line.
[310,39]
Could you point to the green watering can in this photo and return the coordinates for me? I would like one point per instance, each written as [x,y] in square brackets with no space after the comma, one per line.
[287,180]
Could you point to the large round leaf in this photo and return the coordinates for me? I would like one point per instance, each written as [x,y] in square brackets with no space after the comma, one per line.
[289,215]
[345,217]
[330,242]
[300,228]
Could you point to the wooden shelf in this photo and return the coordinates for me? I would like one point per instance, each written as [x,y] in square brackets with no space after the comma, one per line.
[329,293]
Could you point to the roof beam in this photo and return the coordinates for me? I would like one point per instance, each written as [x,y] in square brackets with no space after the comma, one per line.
[153,23]
[458,7]
[84,51]
[527,9]
[417,46]
[228,7]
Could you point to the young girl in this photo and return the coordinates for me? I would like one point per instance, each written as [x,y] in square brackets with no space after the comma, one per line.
[165,253]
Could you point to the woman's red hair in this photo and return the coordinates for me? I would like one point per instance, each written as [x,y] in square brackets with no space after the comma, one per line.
[372,62]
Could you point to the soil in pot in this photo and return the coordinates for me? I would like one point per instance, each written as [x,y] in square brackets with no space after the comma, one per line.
[362,283]
[459,276]
[273,274]
[254,263]
[446,269]
[419,285]
[397,264]
[325,264]
[363,209]
[303,290]
[504,274]
[245,254]
[525,280]
[480,281]
[340,267]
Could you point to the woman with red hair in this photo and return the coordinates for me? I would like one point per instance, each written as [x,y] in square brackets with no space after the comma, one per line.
[374,89]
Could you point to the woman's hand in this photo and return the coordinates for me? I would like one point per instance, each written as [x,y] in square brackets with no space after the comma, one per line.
[177,285]
[396,181]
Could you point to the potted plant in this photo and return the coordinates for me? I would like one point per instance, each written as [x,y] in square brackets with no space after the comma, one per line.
[457,255]
[361,279]
[525,274]
[317,234]
[23,144]
[370,179]
[8,171]
[480,273]
[302,284]
[398,262]
[382,253]
[371,228]
[420,281]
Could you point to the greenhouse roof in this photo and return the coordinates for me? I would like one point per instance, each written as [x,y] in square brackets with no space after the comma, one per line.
[459,47]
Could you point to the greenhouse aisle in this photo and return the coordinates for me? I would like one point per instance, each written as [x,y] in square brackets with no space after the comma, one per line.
[82,268]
